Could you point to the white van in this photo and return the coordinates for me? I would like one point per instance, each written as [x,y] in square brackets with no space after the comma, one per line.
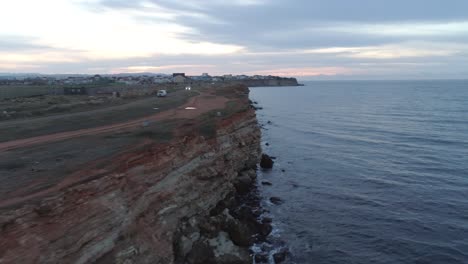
[162,93]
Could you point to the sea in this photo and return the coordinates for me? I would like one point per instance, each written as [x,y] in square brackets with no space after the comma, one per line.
[368,171]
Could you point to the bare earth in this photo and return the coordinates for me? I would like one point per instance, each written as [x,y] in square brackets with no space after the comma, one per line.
[54,161]
[202,103]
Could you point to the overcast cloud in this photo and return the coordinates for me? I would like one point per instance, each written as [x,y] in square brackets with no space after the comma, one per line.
[336,39]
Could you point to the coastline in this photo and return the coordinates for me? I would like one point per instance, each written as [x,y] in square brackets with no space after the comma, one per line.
[151,201]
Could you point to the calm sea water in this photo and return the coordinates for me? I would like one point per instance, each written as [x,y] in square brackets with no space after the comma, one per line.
[375,172]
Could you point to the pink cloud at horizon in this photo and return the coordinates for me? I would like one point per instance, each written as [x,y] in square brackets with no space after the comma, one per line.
[303,72]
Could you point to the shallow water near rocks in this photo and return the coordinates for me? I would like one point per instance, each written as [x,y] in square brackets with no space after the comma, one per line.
[368,172]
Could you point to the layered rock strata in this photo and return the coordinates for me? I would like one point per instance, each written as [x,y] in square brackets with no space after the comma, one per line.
[145,210]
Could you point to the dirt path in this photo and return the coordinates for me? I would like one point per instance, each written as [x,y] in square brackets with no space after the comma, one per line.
[202,103]
[54,117]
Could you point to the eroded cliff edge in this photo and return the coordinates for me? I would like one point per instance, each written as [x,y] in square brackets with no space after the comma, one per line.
[149,203]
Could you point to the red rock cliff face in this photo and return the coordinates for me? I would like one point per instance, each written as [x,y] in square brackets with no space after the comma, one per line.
[130,215]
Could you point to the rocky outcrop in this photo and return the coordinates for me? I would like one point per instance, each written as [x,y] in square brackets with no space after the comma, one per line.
[225,235]
[164,203]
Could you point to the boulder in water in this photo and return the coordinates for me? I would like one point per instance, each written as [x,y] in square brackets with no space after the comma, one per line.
[261,257]
[276,200]
[281,255]
[267,183]
[266,162]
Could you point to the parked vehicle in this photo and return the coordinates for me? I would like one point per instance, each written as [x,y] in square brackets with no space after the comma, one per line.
[162,93]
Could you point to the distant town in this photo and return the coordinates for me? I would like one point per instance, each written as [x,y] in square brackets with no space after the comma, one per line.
[126,79]
[13,86]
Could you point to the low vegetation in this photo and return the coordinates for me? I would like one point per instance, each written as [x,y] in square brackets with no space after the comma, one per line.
[158,132]
[7,91]
[91,115]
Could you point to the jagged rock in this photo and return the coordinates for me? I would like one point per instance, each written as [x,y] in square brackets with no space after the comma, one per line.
[261,257]
[280,256]
[243,184]
[265,229]
[185,244]
[201,253]
[276,200]
[228,202]
[240,234]
[247,214]
[225,251]
[266,162]
[211,228]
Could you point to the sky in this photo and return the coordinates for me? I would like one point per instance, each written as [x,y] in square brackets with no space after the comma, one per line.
[308,39]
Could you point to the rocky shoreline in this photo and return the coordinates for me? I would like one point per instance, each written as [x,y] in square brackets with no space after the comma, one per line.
[236,231]
[227,233]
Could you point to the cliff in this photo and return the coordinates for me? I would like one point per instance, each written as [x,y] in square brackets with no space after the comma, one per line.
[145,204]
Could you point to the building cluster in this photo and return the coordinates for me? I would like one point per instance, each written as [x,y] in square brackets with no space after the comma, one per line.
[205,77]
[126,79]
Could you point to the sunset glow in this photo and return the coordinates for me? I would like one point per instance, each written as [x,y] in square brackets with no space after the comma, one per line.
[81,36]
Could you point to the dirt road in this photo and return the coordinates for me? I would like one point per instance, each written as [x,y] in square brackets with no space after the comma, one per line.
[202,103]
